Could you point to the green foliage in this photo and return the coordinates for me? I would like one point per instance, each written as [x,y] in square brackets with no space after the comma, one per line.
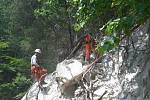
[100,50]
[125,16]
[108,44]
[49,8]
[12,82]
[14,67]
[119,16]
[15,89]
[4,45]
[17,64]
[88,10]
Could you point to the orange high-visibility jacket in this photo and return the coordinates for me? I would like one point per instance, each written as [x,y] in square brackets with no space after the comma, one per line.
[88,47]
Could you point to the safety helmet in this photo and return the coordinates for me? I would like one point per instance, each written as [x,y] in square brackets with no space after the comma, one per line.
[37,51]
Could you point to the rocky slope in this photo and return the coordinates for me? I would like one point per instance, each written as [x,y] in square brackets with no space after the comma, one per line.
[123,74]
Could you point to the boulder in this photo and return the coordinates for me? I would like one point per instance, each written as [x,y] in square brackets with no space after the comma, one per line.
[68,69]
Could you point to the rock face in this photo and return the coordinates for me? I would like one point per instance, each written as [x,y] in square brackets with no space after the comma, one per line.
[68,69]
[65,71]
[52,93]
[123,74]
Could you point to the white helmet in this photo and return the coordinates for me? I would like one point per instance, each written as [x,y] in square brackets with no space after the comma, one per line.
[37,50]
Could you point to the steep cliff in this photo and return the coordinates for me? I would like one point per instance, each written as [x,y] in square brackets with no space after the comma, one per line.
[122,74]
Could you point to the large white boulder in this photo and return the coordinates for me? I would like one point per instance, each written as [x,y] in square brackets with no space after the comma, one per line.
[68,69]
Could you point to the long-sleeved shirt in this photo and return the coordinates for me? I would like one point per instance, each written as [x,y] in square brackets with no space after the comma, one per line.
[34,60]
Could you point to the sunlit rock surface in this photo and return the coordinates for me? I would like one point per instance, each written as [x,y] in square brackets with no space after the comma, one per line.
[68,69]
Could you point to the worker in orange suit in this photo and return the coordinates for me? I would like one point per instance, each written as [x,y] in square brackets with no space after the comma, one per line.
[87,47]
[90,47]
[36,70]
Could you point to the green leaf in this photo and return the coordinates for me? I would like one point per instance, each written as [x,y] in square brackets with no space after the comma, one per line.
[116,40]
[4,45]
[100,50]
[77,27]
[112,26]
[108,45]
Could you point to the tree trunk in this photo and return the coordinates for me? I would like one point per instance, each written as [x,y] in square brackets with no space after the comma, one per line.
[69,26]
